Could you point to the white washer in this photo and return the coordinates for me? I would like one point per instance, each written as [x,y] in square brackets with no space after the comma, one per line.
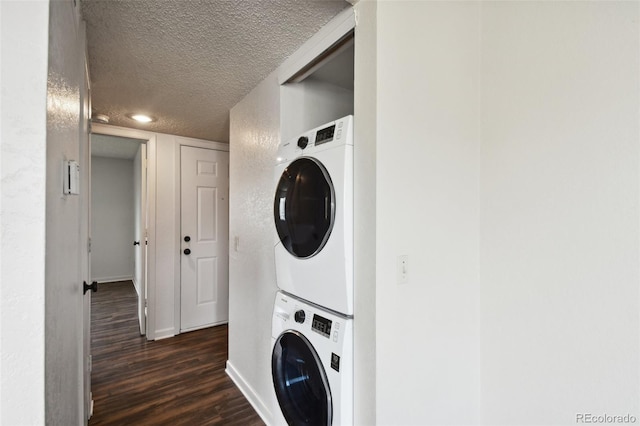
[313,215]
[312,363]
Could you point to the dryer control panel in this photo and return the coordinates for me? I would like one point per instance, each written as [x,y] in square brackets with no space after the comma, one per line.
[326,135]
[329,135]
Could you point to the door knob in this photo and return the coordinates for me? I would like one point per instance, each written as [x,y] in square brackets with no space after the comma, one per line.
[187,238]
[136,243]
[187,251]
[86,287]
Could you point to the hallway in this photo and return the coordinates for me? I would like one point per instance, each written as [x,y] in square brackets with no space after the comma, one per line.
[175,381]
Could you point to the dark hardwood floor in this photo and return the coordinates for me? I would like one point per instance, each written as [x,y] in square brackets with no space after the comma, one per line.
[176,381]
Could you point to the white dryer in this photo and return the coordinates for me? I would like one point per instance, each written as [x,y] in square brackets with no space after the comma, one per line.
[312,363]
[313,214]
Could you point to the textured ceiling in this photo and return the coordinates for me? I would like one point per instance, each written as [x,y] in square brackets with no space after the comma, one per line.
[188,62]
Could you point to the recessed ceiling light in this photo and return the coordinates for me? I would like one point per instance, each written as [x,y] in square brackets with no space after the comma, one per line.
[141,118]
[101,118]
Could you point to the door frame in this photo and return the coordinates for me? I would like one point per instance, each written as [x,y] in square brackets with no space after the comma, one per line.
[197,143]
[151,142]
[142,225]
[84,242]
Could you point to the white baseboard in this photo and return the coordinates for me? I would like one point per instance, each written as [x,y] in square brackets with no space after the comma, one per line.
[136,286]
[200,327]
[164,333]
[249,393]
[105,280]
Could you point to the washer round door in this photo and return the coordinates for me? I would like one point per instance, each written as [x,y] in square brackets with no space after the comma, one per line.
[304,207]
[300,381]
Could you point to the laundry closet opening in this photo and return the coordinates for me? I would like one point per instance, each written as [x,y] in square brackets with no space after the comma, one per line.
[312,363]
[319,92]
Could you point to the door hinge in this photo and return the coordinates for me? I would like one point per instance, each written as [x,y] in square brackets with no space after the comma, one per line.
[89,363]
[89,245]
[90,413]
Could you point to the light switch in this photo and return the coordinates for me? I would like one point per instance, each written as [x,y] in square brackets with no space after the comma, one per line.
[403,269]
[71,173]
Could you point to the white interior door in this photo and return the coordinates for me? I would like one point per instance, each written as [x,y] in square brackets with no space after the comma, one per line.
[141,234]
[85,250]
[204,289]
[85,244]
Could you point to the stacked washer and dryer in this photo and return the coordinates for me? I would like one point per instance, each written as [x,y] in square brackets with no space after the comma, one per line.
[312,325]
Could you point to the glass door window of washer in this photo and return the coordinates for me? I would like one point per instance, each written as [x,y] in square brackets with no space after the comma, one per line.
[300,382]
[304,207]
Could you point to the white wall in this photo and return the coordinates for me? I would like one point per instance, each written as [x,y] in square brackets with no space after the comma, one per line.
[427,331]
[517,132]
[112,219]
[167,250]
[23,168]
[559,211]
[254,136]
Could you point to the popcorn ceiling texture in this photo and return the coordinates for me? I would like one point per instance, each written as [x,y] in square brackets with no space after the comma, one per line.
[188,62]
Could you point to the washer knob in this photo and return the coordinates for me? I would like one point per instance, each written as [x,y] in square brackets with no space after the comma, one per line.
[303,141]
[299,316]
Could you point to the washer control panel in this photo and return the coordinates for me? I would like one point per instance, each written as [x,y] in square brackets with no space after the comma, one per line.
[293,314]
[299,316]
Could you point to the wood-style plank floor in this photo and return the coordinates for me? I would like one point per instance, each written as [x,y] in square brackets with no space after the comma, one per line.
[176,381]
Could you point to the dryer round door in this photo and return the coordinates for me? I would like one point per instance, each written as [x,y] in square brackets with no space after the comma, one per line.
[304,207]
[300,381]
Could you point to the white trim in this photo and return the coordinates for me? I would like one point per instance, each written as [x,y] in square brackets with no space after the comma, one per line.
[177,276]
[105,280]
[151,236]
[136,285]
[86,399]
[202,143]
[249,393]
[125,132]
[201,327]
[165,333]
[333,31]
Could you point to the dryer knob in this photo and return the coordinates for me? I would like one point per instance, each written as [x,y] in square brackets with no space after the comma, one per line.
[299,316]
[303,141]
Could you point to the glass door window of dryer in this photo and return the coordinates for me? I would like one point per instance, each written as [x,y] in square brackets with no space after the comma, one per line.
[301,385]
[304,207]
